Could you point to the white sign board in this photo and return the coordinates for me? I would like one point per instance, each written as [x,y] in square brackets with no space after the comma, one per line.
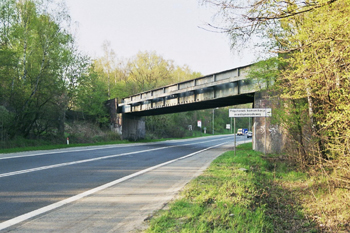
[199,124]
[228,126]
[250,112]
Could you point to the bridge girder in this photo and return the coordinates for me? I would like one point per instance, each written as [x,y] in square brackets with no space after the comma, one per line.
[221,89]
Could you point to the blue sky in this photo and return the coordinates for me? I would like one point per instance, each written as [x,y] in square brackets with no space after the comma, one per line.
[169,27]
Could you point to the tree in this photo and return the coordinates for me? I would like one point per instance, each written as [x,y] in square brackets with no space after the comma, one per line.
[106,64]
[321,61]
[311,37]
[92,93]
[149,70]
[183,73]
[38,52]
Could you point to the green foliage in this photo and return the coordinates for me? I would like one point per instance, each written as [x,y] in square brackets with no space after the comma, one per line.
[148,71]
[145,71]
[311,39]
[36,52]
[5,120]
[170,125]
[319,71]
[177,125]
[265,73]
[91,96]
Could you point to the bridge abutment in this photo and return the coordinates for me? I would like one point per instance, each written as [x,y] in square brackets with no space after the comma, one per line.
[275,139]
[133,127]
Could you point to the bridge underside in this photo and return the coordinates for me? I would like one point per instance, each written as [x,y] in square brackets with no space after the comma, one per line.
[134,124]
[206,104]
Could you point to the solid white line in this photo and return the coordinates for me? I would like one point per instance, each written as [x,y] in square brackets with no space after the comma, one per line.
[56,205]
[75,162]
[88,160]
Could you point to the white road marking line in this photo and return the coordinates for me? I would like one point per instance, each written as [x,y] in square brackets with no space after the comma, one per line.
[88,160]
[56,205]
[75,162]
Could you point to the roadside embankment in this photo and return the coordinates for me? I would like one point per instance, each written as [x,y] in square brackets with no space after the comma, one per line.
[246,193]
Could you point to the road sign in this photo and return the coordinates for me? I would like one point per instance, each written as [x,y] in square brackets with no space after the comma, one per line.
[250,112]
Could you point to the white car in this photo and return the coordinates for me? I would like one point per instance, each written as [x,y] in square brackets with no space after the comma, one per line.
[249,134]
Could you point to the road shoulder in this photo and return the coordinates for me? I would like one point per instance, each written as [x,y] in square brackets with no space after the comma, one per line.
[125,206]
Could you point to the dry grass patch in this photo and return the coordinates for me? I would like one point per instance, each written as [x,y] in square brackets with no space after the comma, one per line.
[327,205]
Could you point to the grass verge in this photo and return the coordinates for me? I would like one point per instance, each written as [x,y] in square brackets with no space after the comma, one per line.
[58,146]
[242,193]
[31,145]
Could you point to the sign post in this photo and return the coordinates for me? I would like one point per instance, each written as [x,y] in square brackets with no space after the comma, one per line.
[249,112]
[234,131]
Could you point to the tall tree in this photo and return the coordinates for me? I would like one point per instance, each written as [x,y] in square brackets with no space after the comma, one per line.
[312,37]
[92,93]
[107,63]
[38,50]
[321,56]
[149,70]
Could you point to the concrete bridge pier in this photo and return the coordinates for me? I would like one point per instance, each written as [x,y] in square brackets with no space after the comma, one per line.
[133,127]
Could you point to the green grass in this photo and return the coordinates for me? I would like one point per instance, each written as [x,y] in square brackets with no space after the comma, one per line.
[59,146]
[20,145]
[227,198]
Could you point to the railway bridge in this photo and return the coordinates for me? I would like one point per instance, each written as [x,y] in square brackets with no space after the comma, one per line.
[225,88]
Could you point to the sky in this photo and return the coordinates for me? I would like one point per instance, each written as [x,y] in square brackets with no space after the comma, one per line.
[171,28]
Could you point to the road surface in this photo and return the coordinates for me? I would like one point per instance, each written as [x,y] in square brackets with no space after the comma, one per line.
[110,188]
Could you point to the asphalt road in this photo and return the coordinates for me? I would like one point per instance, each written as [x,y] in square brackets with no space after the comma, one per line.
[36,184]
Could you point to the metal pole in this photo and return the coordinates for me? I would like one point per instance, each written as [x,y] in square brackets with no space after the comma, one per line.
[234,122]
[231,124]
[265,135]
[213,121]
[254,133]
[249,128]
